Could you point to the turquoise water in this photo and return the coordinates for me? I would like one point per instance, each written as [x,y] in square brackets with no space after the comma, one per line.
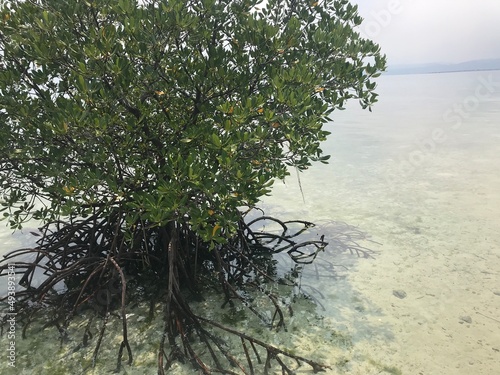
[421,176]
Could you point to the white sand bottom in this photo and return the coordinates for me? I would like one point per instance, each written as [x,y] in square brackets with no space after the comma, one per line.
[439,229]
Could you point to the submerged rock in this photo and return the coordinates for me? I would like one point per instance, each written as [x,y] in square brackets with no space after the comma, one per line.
[465,319]
[399,293]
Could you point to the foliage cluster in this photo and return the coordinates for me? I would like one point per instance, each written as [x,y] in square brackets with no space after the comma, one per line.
[172,110]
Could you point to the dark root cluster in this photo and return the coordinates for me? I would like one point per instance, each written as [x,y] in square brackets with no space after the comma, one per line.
[97,264]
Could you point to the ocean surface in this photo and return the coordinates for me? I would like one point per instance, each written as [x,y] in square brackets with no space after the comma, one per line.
[419,176]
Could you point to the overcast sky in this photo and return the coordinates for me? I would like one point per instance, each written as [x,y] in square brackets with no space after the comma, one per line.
[428,31]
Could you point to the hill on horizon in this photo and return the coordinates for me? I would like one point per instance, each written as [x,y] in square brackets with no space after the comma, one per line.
[474,65]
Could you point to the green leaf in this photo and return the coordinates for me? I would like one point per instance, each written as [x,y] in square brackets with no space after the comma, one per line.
[216,140]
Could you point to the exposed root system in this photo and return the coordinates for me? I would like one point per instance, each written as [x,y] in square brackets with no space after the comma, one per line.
[94,265]
[97,264]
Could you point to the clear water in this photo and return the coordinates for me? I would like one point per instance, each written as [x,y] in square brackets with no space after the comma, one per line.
[420,175]
[424,182]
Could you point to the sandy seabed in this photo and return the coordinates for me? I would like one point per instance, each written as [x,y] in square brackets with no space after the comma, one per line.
[428,303]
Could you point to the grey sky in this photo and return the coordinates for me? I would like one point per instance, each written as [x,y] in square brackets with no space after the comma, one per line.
[426,31]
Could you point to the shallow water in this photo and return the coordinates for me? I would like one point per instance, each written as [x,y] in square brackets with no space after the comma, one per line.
[420,175]
[424,182]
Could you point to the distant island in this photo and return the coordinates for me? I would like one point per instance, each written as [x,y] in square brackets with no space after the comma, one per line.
[475,65]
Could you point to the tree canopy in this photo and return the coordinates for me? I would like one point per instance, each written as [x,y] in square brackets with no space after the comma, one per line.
[140,131]
[175,110]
